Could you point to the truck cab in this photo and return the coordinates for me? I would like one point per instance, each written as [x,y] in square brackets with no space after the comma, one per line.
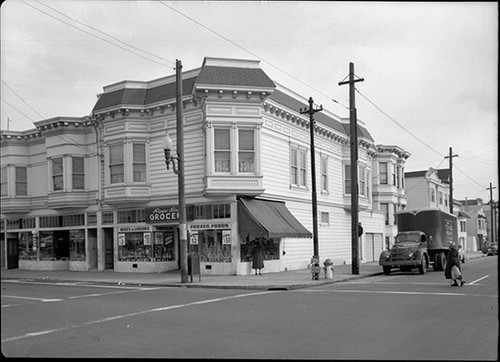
[408,252]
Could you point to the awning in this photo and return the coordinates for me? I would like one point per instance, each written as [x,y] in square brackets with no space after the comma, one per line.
[268,218]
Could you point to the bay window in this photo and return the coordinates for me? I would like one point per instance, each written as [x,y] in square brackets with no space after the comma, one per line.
[116,164]
[78,176]
[246,151]
[139,162]
[222,150]
[21,181]
[57,174]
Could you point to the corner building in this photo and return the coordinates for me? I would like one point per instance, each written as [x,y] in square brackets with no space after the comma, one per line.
[93,193]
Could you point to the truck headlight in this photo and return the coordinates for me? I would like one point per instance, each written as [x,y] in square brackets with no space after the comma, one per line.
[410,255]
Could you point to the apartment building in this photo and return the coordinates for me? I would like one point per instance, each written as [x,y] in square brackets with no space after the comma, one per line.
[93,192]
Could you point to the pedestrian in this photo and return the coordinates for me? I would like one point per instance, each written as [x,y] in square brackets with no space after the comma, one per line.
[453,259]
[258,257]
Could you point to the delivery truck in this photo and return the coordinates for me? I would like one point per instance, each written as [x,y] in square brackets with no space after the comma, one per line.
[423,239]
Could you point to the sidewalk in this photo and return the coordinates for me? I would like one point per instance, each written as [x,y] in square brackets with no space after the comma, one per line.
[288,280]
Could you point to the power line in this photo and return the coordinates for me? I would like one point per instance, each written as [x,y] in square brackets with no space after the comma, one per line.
[249,52]
[18,96]
[96,36]
[104,33]
[28,117]
[400,125]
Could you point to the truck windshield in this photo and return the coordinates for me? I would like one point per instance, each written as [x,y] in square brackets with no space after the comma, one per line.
[414,237]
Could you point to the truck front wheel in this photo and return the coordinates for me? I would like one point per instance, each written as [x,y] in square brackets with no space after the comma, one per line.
[387,270]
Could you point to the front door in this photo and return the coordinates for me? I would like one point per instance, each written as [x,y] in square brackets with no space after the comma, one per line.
[12,254]
[108,249]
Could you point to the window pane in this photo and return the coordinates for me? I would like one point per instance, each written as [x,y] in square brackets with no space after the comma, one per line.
[57,166]
[139,172]
[222,161]
[222,141]
[115,154]
[347,179]
[139,152]
[116,174]
[78,165]
[246,140]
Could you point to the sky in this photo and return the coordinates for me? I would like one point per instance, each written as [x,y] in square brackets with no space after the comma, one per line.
[429,69]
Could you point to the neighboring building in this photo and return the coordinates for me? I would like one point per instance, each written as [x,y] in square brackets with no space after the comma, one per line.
[491,224]
[389,187]
[476,224]
[429,188]
[93,193]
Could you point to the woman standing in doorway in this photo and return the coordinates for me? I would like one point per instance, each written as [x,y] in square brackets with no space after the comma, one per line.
[258,257]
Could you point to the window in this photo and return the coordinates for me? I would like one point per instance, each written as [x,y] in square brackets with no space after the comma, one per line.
[116,167]
[139,166]
[324,174]
[398,176]
[383,173]
[298,167]
[222,150]
[385,210]
[78,173]
[347,179]
[446,200]
[3,182]
[21,181]
[362,180]
[433,195]
[246,151]
[462,226]
[440,198]
[393,175]
[57,174]
[325,218]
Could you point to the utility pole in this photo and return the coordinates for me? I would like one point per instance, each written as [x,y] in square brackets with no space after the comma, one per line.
[354,169]
[451,155]
[311,112]
[492,214]
[182,196]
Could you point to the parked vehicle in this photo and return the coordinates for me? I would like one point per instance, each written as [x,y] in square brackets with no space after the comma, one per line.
[424,237]
[492,249]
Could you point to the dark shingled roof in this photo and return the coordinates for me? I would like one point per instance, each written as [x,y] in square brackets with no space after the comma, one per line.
[232,76]
[296,105]
[142,97]
[443,174]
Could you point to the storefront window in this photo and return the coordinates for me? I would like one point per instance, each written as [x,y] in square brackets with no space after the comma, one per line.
[134,246]
[54,245]
[26,250]
[213,246]
[77,245]
[164,246]
[270,248]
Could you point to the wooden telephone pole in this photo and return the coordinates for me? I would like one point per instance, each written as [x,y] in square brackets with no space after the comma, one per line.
[493,214]
[451,155]
[354,169]
[311,112]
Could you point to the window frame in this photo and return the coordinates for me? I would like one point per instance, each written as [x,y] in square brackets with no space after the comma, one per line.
[78,177]
[57,178]
[114,177]
[298,167]
[383,175]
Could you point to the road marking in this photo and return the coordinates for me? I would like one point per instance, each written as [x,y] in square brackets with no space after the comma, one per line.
[477,280]
[122,316]
[391,292]
[44,300]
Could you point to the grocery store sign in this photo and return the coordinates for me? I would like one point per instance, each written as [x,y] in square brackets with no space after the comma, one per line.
[162,215]
[208,226]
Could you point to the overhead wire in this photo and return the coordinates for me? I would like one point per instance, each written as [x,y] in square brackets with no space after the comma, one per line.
[248,51]
[96,36]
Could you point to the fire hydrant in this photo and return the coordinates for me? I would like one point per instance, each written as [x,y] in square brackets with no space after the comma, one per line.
[315,268]
[328,268]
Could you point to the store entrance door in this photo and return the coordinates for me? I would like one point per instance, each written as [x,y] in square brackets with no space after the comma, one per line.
[92,248]
[12,254]
[108,249]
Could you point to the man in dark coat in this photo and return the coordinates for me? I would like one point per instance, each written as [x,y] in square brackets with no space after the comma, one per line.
[453,259]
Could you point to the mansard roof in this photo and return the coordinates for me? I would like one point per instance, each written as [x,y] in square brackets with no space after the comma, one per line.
[442,174]
[233,76]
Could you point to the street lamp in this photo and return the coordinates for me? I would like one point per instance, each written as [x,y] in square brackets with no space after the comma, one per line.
[167,147]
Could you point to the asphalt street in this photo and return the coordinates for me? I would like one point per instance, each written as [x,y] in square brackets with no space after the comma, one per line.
[401,316]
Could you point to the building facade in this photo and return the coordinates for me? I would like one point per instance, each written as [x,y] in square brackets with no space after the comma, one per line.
[476,224]
[93,193]
[389,187]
